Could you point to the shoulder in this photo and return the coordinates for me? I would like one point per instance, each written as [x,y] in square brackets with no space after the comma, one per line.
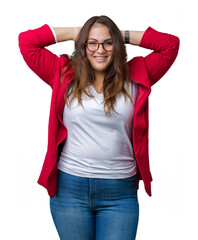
[65,59]
[65,64]
[136,61]
[138,70]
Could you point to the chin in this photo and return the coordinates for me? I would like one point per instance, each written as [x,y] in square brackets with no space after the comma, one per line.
[101,69]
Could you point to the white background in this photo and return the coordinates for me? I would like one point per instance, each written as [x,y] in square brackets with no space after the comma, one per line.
[171,213]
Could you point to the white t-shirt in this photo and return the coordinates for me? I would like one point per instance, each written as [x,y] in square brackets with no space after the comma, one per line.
[98,146]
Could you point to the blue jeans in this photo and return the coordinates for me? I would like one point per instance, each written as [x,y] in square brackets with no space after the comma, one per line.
[95,208]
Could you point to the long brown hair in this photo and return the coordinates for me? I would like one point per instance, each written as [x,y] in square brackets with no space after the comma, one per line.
[116,74]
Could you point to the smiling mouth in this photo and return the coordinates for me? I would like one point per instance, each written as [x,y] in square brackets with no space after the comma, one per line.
[100,59]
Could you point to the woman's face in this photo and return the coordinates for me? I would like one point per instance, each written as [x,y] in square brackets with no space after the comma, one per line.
[99,59]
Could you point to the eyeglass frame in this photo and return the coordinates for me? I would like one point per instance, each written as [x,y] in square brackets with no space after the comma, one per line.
[86,44]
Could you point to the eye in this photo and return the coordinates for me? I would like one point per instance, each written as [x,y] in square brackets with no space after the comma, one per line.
[108,43]
[92,43]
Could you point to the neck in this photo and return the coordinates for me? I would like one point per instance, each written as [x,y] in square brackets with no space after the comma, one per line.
[99,76]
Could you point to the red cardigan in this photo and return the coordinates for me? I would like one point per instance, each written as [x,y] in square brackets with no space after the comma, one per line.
[145,70]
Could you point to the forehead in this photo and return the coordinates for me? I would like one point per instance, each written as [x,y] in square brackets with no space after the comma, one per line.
[99,32]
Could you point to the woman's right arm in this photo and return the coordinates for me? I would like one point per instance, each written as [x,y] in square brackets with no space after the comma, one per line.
[66,33]
[40,60]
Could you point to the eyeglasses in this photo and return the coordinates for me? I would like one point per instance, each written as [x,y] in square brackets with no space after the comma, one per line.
[94,45]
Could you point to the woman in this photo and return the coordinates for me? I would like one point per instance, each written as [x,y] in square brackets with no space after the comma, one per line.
[98,125]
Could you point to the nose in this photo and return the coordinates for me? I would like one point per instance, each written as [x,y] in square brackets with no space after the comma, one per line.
[100,48]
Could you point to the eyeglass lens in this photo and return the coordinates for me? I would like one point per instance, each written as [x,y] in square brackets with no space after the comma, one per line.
[93,45]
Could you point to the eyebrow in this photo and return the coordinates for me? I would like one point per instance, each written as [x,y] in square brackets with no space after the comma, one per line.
[97,40]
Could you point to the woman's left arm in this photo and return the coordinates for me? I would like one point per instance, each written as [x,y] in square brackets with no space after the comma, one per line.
[165,49]
[134,37]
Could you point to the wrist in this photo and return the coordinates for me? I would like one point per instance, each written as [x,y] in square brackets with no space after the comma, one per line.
[125,36]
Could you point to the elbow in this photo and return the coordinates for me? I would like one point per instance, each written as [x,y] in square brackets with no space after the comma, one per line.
[175,45]
[21,41]
[174,48]
[24,39]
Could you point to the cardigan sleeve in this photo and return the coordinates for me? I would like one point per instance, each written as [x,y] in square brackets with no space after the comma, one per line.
[55,37]
[165,49]
[32,45]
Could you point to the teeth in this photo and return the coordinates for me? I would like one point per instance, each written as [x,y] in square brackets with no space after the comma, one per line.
[100,57]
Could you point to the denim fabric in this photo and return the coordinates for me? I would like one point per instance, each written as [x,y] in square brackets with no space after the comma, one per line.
[95,208]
